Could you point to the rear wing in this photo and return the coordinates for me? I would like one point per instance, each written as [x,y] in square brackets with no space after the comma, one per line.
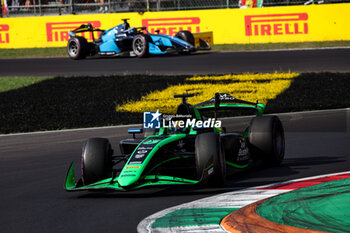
[84,28]
[224,101]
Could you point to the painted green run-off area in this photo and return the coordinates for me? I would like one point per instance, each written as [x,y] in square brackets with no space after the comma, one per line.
[323,207]
[193,217]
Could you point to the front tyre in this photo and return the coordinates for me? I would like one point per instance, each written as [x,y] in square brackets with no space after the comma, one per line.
[77,48]
[266,137]
[186,36]
[210,157]
[96,161]
[140,45]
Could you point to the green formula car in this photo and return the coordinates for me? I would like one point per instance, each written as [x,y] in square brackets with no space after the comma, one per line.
[187,149]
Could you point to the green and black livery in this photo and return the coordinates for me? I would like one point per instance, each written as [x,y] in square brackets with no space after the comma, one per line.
[172,156]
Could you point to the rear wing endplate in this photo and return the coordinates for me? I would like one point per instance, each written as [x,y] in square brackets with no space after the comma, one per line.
[203,40]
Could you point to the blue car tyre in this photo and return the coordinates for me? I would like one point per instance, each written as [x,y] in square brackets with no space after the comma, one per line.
[140,45]
[186,36]
[77,48]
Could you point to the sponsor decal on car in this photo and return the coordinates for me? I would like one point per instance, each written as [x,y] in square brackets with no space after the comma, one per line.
[276,24]
[130,171]
[4,34]
[107,53]
[132,167]
[181,144]
[171,26]
[58,31]
[224,97]
[139,156]
[243,152]
[136,162]
[151,141]
[125,175]
[142,148]
[142,151]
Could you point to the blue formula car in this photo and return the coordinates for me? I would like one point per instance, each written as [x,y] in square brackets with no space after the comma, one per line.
[131,41]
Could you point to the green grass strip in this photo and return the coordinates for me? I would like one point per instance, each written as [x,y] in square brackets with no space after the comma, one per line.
[193,217]
[33,53]
[12,83]
[323,207]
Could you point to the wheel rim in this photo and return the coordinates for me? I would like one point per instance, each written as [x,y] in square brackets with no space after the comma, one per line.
[139,46]
[73,49]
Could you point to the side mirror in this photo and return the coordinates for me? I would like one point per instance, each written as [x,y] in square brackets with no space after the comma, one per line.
[134,131]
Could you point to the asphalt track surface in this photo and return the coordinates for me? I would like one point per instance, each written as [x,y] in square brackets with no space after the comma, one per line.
[315,60]
[33,168]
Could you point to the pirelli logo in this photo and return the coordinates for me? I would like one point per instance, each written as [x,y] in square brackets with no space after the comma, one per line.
[4,34]
[58,32]
[171,26]
[276,24]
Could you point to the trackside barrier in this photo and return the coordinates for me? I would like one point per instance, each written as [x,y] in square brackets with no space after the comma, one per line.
[243,26]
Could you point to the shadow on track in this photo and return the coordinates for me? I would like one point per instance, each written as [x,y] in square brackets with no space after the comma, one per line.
[150,56]
[234,181]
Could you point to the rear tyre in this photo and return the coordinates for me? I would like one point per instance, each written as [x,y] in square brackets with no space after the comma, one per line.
[96,162]
[78,48]
[209,150]
[140,45]
[266,137]
[186,36]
